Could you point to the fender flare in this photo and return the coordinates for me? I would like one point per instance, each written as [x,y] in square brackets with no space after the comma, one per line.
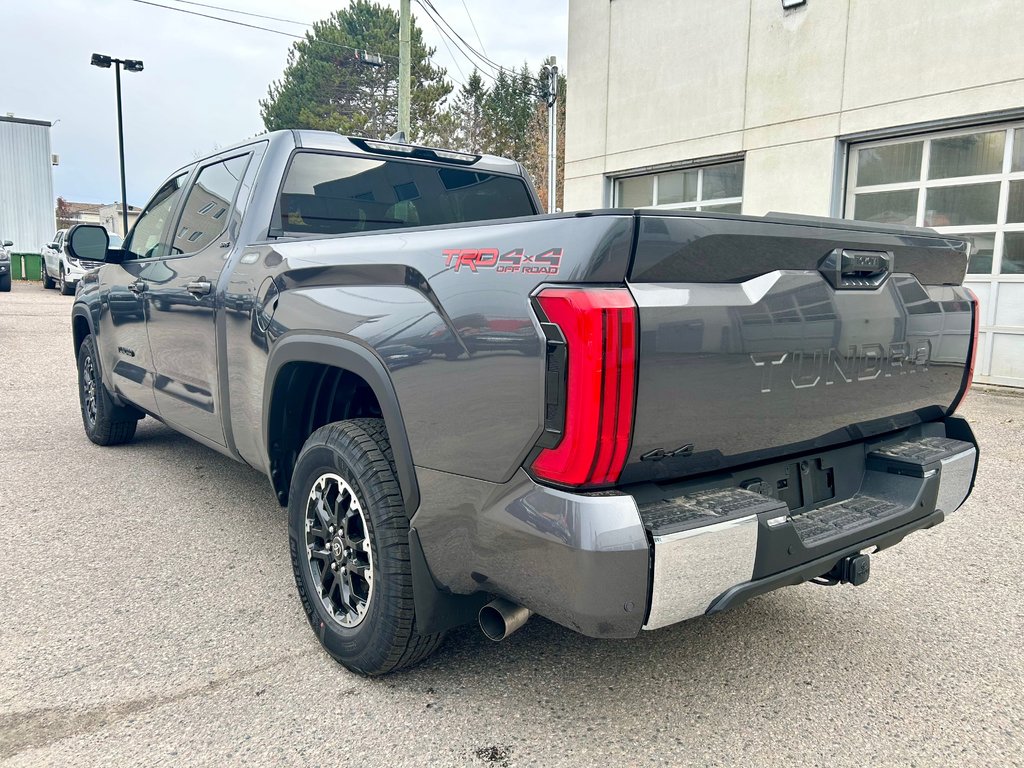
[85,311]
[80,310]
[356,357]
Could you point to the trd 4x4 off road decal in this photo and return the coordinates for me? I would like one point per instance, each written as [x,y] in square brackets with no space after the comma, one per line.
[516,260]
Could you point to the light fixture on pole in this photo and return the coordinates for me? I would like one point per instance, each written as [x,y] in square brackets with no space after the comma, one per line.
[130,65]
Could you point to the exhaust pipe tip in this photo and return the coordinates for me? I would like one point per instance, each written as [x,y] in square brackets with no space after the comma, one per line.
[500,618]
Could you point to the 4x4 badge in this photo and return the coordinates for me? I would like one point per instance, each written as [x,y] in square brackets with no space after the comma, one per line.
[516,260]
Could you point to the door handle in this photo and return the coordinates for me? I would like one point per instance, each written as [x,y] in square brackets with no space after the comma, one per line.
[199,288]
[856,270]
[138,287]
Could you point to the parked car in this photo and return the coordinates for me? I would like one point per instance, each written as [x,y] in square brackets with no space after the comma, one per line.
[5,265]
[61,270]
[652,415]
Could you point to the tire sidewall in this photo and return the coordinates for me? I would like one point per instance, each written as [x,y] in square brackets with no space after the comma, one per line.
[88,349]
[348,644]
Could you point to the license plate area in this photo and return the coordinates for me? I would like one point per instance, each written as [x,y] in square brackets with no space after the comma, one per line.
[800,485]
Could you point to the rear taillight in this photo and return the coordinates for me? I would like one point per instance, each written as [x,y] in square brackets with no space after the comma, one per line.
[972,354]
[598,327]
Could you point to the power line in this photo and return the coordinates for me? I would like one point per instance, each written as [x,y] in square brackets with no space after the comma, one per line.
[473,25]
[255,26]
[445,35]
[449,49]
[244,13]
[428,6]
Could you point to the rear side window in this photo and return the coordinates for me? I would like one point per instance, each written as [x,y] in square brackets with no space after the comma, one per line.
[205,215]
[338,194]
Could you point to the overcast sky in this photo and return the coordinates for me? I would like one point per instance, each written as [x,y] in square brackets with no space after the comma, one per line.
[203,79]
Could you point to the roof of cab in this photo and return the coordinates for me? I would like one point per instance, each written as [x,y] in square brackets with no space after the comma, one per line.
[339,143]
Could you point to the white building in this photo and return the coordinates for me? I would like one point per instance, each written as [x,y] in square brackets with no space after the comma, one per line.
[106,214]
[909,111]
[26,183]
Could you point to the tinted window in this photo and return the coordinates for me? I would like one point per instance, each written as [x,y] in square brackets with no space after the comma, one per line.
[145,239]
[205,215]
[334,194]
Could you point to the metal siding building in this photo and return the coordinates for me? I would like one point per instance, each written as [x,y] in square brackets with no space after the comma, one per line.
[905,112]
[26,183]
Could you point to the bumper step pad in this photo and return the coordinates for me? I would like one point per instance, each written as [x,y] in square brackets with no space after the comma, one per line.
[916,457]
[704,507]
[837,520]
[919,458]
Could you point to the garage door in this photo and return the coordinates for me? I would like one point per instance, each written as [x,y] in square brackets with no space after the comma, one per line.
[969,183]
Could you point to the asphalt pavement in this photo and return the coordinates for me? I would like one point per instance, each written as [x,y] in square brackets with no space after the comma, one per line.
[148,616]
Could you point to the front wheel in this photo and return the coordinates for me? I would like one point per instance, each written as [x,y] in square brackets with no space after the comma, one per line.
[66,288]
[105,422]
[5,283]
[349,539]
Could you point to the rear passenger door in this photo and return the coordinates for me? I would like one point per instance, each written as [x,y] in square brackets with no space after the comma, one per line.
[183,299]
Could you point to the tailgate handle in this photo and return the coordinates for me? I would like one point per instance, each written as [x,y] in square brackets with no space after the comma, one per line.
[856,270]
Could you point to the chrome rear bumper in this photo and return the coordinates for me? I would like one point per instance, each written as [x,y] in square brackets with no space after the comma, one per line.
[694,567]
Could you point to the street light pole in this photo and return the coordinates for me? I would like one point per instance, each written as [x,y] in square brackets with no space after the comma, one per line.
[130,65]
[120,151]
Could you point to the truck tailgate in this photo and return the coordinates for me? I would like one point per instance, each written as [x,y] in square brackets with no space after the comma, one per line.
[766,337]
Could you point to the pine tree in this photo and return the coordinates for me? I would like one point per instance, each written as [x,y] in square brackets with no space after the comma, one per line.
[325,86]
[507,109]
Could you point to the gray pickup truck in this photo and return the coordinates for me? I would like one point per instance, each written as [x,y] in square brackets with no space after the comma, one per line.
[615,419]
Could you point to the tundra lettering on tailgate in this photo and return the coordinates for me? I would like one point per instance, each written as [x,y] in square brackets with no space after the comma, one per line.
[829,366]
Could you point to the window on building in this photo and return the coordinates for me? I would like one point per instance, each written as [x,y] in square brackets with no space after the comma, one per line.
[968,182]
[716,188]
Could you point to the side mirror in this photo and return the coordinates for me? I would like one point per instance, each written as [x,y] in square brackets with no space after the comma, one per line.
[8,243]
[52,246]
[87,242]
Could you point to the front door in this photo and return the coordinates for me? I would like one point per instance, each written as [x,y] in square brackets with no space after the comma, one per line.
[183,301]
[123,343]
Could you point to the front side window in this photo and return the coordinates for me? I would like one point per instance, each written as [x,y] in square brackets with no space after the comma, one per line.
[205,215]
[709,188]
[145,240]
[337,194]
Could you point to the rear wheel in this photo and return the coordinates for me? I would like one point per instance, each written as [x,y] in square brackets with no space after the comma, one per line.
[47,280]
[349,538]
[105,422]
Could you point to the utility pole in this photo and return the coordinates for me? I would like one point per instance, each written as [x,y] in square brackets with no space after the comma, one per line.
[552,89]
[404,68]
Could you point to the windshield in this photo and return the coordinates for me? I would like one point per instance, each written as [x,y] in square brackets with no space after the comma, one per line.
[338,194]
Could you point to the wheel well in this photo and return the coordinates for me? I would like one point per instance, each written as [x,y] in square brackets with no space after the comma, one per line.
[306,396]
[80,329]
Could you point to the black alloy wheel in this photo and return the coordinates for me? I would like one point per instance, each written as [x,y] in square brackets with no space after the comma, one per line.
[338,550]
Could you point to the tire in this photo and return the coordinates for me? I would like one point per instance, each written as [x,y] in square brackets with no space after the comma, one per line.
[5,283]
[47,280]
[66,288]
[380,635]
[105,423]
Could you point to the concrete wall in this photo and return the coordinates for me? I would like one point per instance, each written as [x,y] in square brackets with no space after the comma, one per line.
[653,82]
[26,184]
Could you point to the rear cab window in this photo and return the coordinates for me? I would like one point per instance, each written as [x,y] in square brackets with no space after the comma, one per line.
[330,194]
